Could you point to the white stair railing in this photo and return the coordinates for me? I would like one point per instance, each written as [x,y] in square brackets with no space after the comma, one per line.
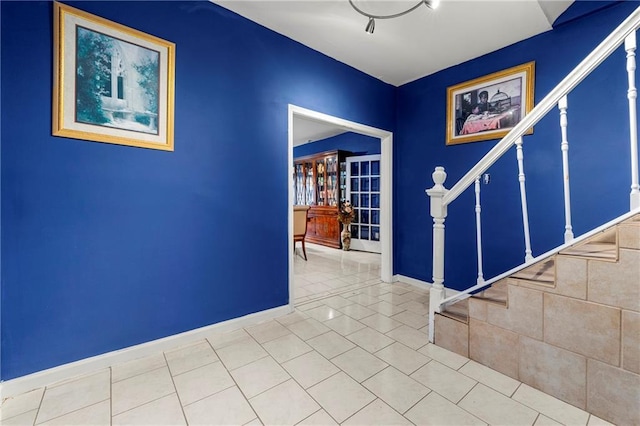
[440,197]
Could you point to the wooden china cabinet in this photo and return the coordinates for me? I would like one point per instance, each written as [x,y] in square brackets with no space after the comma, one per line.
[320,181]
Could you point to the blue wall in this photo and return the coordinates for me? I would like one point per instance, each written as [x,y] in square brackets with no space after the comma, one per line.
[107,246]
[599,157]
[352,142]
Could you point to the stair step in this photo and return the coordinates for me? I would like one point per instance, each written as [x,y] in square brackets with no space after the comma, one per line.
[594,250]
[603,246]
[459,311]
[497,293]
[543,272]
[634,220]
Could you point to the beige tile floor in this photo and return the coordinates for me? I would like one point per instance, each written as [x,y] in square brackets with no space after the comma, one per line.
[354,352]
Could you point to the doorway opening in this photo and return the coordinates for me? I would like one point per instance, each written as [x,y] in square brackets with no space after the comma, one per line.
[386,196]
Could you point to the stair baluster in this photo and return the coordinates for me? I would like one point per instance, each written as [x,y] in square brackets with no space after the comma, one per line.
[632,94]
[523,200]
[568,229]
[480,279]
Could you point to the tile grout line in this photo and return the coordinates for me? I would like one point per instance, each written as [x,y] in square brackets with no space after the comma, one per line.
[150,401]
[71,412]
[175,388]
[135,375]
[40,405]
[462,399]
[142,405]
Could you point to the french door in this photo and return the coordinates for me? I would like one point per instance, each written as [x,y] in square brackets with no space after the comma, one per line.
[363,189]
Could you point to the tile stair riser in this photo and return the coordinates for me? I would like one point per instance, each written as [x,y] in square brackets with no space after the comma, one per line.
[454,317]
[629,235]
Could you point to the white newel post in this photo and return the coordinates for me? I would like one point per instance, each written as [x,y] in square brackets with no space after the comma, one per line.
[439,213]
[480,279]
[564,146]
[632,94]
[523,200]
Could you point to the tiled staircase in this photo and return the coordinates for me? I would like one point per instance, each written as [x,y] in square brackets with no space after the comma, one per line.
[568,325]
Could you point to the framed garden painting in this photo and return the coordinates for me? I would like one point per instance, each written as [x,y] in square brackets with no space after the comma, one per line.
[488,107]
[111,83]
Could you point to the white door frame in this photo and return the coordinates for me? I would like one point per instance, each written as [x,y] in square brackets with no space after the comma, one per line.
[386,178]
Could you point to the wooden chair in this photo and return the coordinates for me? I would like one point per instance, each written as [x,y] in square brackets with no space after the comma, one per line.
[300,218]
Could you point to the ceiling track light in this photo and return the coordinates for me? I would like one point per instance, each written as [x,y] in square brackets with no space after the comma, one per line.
[371,25]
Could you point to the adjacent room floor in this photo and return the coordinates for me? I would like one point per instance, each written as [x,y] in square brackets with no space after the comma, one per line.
[354,352]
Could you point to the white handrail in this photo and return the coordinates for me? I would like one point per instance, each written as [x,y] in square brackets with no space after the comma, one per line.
[591,62]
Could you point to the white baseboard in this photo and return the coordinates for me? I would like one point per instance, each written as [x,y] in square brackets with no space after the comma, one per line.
[422,284]
[84,366]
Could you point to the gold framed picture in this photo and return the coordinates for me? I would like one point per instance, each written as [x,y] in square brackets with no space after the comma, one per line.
[488,107]
[111,83]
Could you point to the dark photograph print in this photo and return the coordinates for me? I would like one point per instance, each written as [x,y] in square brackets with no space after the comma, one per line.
[488,107]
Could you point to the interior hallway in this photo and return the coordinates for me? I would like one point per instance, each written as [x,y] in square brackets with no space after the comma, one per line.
[354,352]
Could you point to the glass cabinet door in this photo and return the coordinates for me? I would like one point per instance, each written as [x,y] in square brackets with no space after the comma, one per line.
[332,181]
[321,182]
[298,184]
[309,185]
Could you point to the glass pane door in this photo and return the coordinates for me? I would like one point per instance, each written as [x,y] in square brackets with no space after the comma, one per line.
[363,189]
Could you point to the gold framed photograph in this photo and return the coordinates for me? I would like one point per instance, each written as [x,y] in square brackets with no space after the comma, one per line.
[111,83]
[488,107]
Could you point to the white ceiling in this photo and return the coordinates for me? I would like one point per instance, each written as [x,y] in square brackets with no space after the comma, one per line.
[401,49]
[409,47]
[306,130]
